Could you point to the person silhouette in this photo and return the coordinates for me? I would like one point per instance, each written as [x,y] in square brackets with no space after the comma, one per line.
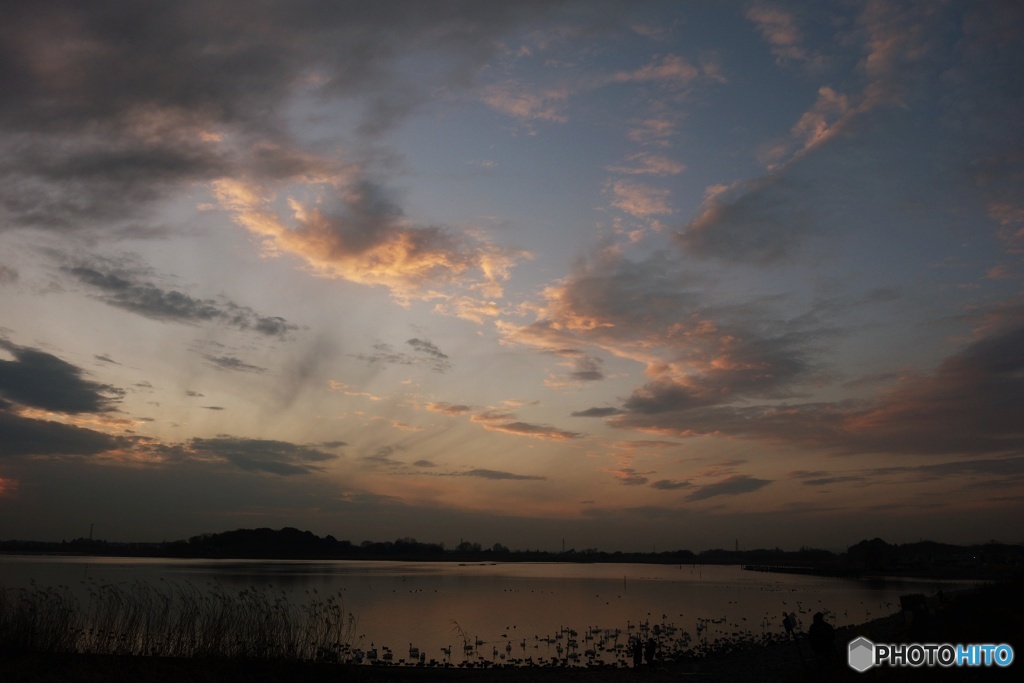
[650,650]
[823,640]
[638,652]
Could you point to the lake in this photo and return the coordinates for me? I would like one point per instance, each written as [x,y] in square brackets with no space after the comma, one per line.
[511,611]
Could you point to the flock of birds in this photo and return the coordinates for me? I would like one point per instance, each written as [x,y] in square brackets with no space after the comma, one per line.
[592,647]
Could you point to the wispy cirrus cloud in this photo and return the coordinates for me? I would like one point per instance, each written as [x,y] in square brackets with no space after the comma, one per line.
[497,475]
[423,353]
[606,411]
[781,30]
[448,408]
[653,132]
[8,274]
[670,485]
[641,201]
[511,426]
[527,104]
[730,486]
[232,364]
[648,163]
[127,290]
[670,69]
[628,476]
[503,419]
[266,456]
[583,368]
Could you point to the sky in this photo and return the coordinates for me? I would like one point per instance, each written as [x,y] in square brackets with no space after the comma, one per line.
[618,275]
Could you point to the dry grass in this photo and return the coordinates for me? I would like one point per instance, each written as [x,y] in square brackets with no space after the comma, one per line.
[173,620]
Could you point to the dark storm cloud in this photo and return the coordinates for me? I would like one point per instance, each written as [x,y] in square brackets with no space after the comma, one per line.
[730,486]
[125,290]
[23,436]
[104,110]
[261,455]
[41,380]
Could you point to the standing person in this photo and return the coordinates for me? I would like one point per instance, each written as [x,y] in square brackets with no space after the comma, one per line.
[650,650]
[638,652]
[823,640]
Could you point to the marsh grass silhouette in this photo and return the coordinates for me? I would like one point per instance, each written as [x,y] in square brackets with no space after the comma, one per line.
[174,620]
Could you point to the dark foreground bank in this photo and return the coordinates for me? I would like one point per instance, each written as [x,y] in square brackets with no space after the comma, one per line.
[989,614]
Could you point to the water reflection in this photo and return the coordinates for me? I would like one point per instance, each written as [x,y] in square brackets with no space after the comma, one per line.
[517,612]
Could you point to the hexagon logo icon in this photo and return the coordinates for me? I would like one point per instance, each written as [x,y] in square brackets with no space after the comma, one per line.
[861,654]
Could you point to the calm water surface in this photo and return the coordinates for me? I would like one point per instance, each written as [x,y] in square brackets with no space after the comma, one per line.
[512,608]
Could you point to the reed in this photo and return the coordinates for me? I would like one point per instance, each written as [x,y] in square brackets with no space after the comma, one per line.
[171,620]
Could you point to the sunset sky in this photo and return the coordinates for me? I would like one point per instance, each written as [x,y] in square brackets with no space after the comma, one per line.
[633,275]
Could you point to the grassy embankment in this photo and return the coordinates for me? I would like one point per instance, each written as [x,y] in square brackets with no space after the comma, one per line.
[173,621]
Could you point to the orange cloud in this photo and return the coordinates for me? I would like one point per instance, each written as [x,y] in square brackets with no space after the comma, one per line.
[448,408]
[780,30]
[354,232]
[645,163]
[7,486]
[671,69]
[534,430]
[641,201]
[514,99]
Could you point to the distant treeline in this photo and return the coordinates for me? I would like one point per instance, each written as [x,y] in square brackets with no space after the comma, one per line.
[874,556]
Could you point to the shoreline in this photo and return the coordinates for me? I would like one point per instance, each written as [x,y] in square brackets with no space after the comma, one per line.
[989,613]
[782,660]
[942,573]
